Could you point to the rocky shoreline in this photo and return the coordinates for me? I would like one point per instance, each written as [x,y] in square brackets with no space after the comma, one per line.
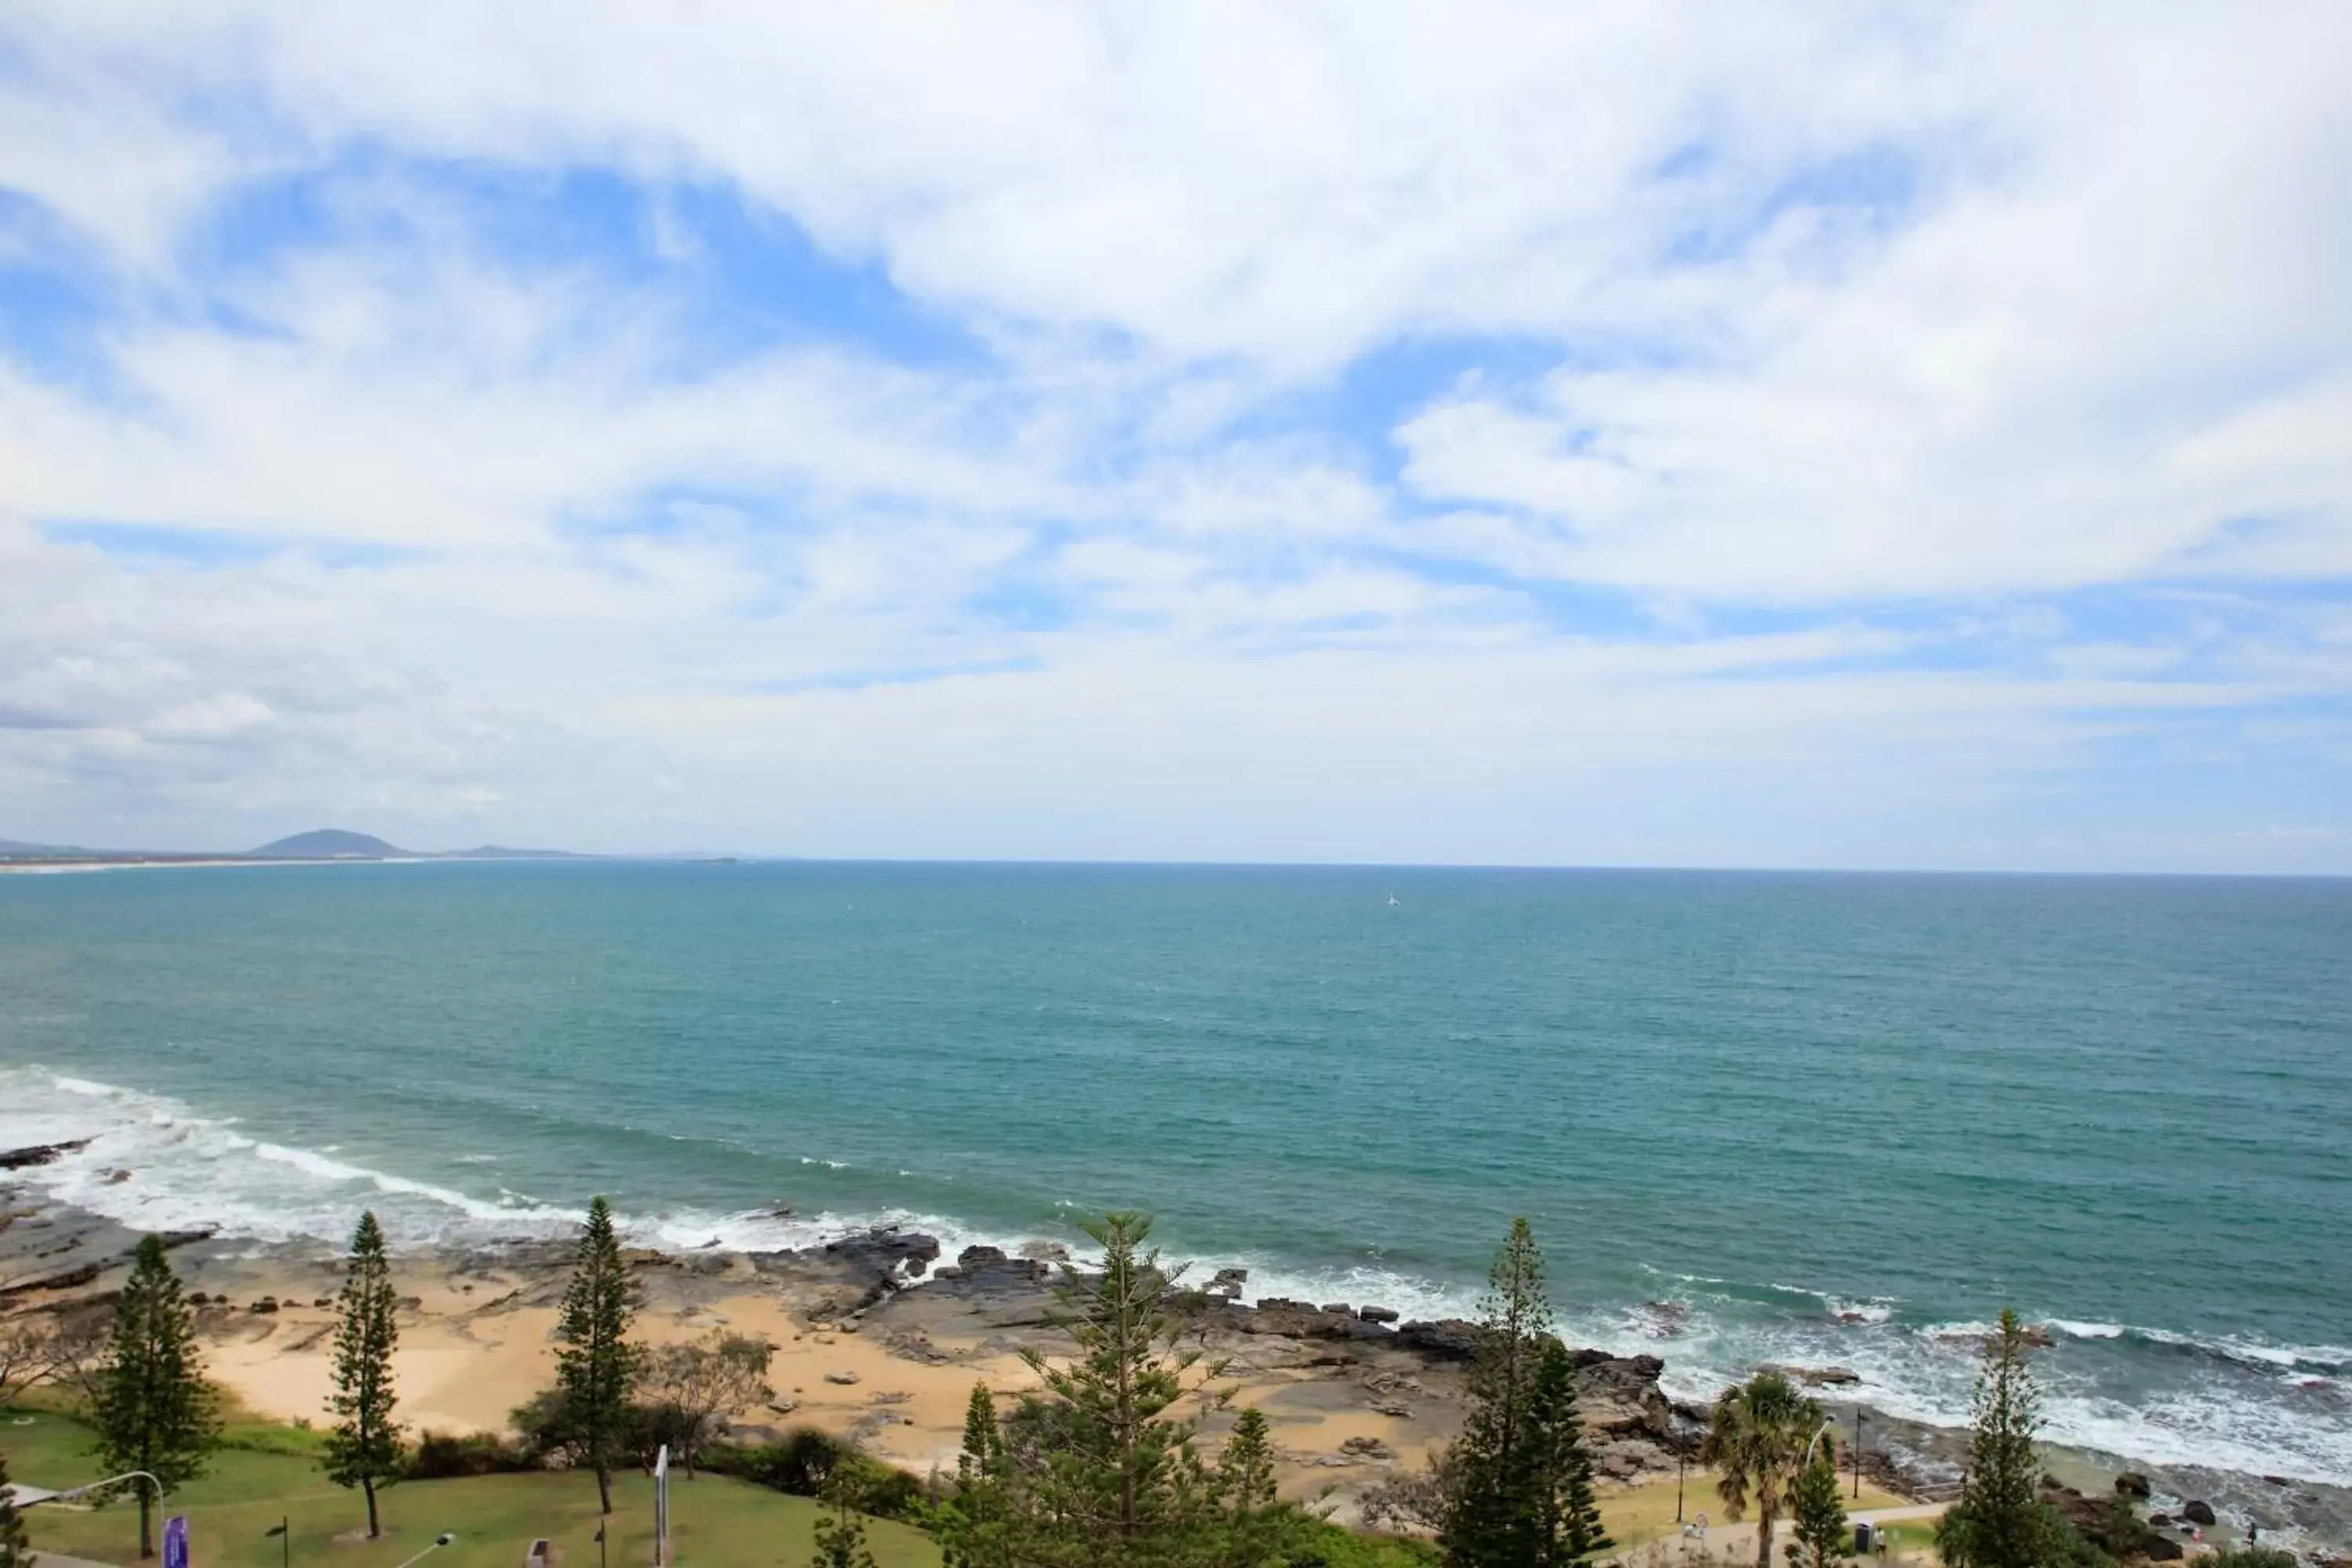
[1358,1396]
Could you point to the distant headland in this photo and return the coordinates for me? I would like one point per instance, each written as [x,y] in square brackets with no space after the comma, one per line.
[319,845]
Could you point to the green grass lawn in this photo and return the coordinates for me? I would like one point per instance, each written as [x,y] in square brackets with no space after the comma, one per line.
[713,1520]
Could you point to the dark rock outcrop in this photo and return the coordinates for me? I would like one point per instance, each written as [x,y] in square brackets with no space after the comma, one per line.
[1446,1339]
[1376,1314]
[67,1280]
[2196,1510]
[2132,1483]
[40,1153]
[1303,1320]
[886,1249]
[1620,1396]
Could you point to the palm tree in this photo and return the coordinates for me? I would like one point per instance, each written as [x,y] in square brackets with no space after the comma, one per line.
[1757,1439]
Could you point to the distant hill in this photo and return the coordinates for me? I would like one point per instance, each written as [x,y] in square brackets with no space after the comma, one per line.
[320,844]
[501,852]
[329,844]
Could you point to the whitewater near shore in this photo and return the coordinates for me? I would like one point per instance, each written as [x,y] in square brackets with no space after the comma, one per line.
[880,1339]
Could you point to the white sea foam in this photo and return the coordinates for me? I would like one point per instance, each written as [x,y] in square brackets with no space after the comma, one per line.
[2253,1406]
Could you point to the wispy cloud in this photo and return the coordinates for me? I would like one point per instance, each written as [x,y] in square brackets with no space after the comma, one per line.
[1867,434]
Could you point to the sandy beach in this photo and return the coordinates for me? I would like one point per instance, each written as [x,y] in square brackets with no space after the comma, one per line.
[878,1340]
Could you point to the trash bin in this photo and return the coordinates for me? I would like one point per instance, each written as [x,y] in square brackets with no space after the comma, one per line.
[1865,1537]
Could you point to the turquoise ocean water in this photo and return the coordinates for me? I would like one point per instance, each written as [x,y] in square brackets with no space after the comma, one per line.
[1836,1118]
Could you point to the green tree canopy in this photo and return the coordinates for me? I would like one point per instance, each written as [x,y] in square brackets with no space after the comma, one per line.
[16,1550]
[1121,1481]
[1516,1488]
[363,1447]
[154,1412]
[975,1528]
[1821,1535]
[1757,1438]
[2000,1520]
[596,1366]
[1556,1460]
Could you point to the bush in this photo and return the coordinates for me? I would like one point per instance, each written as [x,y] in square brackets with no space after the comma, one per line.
[2248,1557]
[1327,1545]
[810,1463]
[800,1465]
[440,1456]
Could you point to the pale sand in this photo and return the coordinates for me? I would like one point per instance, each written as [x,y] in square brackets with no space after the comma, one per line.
[467,1360]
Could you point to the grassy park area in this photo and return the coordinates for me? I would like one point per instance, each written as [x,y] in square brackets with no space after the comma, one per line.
[495,1517]
[1640,1514]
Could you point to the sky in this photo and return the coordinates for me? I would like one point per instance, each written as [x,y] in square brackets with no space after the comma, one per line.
[1620,432]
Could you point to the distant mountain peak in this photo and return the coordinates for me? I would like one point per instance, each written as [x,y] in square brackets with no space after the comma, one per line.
[330,844]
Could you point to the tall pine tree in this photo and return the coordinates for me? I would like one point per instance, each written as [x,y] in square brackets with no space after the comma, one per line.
[1490,1510]
[841,1534]
[154,1412]
[16,1550]
[1256,1525]
[363,1447]
[2000,1520]
[975,1529]
[1556,1458]
[1122,1483]
[596,1367]
[1819,1535]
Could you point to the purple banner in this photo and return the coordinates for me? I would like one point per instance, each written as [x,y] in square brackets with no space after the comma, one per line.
[176,1542]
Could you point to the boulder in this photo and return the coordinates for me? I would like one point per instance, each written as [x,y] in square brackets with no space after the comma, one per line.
[40,1153]
[2161,1548]
[1445,1340]
[1045,1252]
[1663,1320]
[2196,1510]
[845,1379]
[1228,1282]
[1376,1314]
[1340,1309]
[267,1304]
[1367,1448]
[979,1257]
[886,1249]
[2132,1483]
[1619,1396]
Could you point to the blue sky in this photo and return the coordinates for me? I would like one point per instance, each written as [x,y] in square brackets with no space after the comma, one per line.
[1839,435]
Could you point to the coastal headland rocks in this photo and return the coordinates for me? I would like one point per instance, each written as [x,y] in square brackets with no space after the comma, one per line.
[1354,1391]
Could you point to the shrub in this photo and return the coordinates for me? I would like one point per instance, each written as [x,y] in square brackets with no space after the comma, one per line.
[440,1456]
[2248,1557]
[810,1463]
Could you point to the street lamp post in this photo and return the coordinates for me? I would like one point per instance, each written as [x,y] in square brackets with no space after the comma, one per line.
[1857,1453]
[444,1538]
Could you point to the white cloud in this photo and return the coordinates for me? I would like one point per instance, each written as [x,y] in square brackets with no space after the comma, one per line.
[2087,329]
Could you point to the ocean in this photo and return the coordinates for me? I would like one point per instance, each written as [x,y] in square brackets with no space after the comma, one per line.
[1823,1118]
